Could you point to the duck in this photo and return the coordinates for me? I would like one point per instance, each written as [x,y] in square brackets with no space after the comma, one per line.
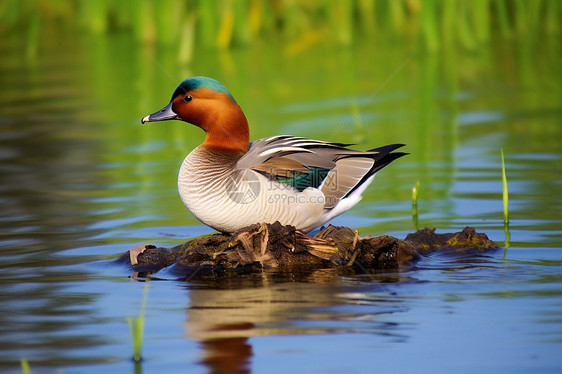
[229,183]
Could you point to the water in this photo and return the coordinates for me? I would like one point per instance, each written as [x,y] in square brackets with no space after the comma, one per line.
[83,181]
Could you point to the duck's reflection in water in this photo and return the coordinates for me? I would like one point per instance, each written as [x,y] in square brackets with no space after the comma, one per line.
[224,313]
[228,355]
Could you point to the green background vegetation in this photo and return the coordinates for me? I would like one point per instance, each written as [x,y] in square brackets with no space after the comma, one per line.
[224,24]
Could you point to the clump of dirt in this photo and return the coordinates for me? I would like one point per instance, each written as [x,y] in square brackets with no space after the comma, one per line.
[286,249]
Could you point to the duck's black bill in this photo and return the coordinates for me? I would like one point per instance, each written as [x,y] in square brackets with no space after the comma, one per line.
[163,114]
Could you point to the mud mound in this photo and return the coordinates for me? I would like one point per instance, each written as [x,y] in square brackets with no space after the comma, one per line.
[286,249]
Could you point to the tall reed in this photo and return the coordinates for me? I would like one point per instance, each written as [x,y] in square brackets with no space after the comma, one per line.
[228,23]
[505,193]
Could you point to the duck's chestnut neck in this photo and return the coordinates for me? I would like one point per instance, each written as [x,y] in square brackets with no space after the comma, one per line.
[221,118]
[227,131]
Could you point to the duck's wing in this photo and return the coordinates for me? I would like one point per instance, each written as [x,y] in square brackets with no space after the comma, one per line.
[331,167]
[294,161]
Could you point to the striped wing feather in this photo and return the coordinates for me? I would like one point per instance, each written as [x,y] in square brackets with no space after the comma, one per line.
[344,177]
[288,158]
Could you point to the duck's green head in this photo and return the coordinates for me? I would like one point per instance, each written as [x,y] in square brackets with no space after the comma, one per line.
[194,83]
[206,103]
[190,89]
[201,88]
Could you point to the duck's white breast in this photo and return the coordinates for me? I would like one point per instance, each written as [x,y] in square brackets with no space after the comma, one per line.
[228,199]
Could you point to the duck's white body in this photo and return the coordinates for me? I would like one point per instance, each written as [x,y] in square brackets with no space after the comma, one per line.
[226,197]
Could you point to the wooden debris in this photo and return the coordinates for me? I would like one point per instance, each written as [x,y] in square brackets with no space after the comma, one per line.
[136,251]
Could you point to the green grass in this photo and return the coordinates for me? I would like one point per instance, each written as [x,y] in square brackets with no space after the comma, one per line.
[25,366]
[230,23]
[136,326]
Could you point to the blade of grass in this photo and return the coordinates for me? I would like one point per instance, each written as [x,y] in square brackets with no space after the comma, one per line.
[136,326]
[25,366]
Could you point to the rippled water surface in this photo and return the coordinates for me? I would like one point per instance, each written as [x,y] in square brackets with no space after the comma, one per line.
[81,181]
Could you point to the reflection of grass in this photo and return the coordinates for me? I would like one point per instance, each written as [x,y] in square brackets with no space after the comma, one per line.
[505,194]
[136,325]
[505,207]
[223,24]
[415,192]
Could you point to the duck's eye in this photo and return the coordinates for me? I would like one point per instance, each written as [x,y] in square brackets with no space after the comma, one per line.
[187,99]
